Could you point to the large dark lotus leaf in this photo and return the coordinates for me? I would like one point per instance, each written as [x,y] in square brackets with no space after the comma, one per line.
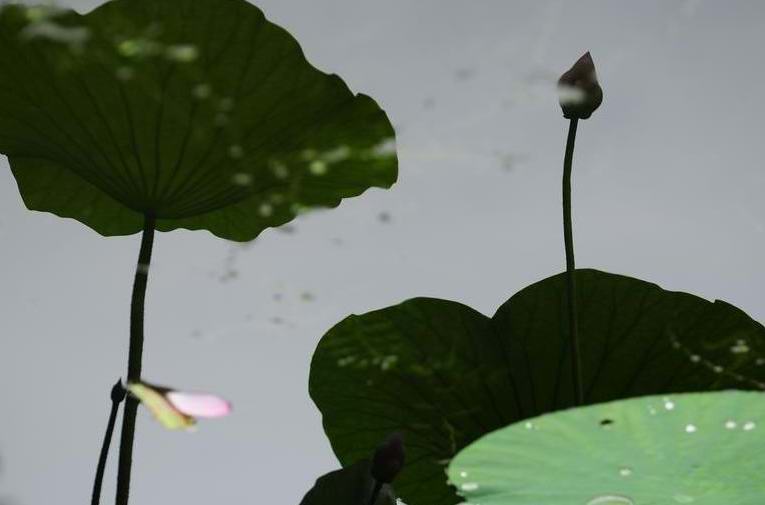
[444,374]
[200,112]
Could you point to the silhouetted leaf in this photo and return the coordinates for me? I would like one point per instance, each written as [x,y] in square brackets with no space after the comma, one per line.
[352,485]
[692,448]
[199,112]
[444,374]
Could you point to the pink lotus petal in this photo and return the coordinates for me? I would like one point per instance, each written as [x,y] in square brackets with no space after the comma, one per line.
[199,405]
[153,398]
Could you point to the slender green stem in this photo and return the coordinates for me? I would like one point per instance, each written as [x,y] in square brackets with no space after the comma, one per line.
[568,236]
[376,492]
[117,395]
[134,359]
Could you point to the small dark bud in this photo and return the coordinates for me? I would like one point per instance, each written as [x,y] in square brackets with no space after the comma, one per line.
[118,392]
[388,459]
[578,89]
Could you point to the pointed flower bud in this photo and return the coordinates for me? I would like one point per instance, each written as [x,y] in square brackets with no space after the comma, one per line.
[578,89]
[388,459]
[118,392]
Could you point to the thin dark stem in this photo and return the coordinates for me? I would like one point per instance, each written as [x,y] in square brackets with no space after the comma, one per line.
[117,395]
[134,359]
[568,235]
[376,492]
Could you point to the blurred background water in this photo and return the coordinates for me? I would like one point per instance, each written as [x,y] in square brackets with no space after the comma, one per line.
[668,179]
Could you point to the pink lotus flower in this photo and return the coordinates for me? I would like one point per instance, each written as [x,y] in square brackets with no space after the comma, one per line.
[177,410]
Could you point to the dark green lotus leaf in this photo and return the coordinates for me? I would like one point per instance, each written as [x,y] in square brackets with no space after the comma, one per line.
[695,448]
[199,112]
[352,485]
[444,374]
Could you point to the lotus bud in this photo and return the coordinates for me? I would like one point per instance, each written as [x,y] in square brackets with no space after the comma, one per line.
[578,89]
[118,392]
[388,459]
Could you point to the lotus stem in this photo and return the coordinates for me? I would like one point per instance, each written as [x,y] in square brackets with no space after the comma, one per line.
[134,359]
[568,236]
[376,492]
[117,395]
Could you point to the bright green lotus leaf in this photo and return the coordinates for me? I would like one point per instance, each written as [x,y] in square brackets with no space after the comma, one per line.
[352,485]
[444,374]
[200,113]
[699,448]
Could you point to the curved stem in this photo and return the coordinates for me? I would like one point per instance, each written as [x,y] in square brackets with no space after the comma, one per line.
[134,359]
[375,492]
[568,236]
[117,395]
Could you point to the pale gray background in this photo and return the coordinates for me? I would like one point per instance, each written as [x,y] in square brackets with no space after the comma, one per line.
[668,185]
